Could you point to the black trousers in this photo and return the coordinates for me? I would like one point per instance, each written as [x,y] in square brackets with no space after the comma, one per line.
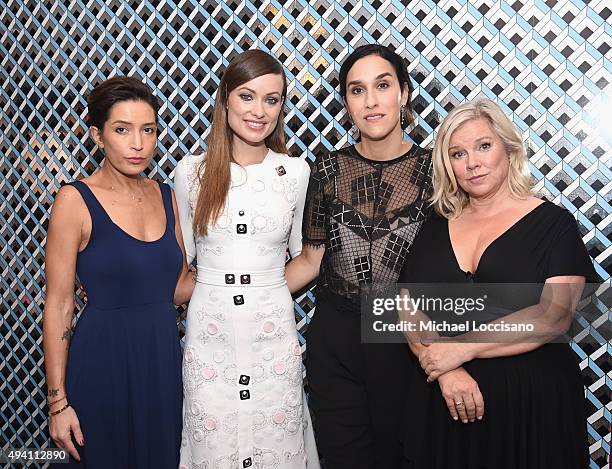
[357,390]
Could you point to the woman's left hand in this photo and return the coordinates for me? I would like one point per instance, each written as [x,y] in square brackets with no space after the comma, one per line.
[440,357]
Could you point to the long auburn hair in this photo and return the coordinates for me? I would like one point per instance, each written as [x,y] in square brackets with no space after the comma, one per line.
[214,176]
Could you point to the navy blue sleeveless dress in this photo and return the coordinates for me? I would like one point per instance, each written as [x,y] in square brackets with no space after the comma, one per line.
[123,376]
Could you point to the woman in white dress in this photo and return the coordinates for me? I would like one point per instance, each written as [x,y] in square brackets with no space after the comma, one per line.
[240,206]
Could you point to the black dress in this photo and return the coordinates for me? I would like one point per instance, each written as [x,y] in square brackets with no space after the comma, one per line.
[534,402]
[367,214]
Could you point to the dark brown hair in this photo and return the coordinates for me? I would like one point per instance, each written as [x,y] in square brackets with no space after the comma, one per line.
[214,172]
[399,64]
[112,91]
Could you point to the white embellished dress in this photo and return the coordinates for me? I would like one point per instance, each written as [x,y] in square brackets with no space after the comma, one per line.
[242,366]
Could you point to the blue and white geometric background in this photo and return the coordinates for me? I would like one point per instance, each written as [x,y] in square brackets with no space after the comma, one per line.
[547,63]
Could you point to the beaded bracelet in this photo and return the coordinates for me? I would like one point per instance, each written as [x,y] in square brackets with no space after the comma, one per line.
[51,414]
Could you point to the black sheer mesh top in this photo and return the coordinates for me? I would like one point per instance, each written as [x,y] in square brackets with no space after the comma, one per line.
[367,213]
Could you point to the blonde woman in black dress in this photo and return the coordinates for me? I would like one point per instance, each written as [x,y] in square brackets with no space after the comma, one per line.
[514,403]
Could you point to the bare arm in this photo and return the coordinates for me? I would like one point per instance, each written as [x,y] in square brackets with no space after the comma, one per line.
[186,280]
[415,339]
[550,318]
[64,238]
[304,268]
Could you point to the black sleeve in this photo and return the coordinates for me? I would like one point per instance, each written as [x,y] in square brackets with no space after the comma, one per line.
[314,232]
[568,255]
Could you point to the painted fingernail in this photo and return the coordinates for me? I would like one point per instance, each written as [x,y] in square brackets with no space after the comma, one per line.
[465,421]
[455,418]
[480,418]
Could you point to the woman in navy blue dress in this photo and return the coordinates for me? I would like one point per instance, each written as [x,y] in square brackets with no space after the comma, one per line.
[114,383]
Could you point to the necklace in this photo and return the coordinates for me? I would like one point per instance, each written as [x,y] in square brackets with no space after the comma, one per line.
[135,198]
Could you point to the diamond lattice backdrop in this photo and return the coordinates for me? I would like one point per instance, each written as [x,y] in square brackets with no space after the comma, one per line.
[547,63]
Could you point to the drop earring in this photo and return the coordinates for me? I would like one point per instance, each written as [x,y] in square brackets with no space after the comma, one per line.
[402,116]
[354,130]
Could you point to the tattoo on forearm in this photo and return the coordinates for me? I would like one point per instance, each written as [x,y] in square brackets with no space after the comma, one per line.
[53,392]
[66,336]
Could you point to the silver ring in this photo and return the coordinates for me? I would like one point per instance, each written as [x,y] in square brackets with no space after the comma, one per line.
[459,404]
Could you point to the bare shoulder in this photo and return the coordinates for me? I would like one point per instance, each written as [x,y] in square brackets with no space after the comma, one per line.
[69,211]
[68,198]
[533,201]
[151,183]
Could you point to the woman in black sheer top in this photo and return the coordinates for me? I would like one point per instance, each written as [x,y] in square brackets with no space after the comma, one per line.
[364,207]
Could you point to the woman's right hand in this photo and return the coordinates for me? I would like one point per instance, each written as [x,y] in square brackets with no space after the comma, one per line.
[61,428]
[462,395]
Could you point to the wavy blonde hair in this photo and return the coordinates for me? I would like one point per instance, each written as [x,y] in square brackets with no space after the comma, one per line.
[448,198]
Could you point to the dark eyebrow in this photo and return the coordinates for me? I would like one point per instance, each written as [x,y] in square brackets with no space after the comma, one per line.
[130,123]
[359,82]
[254,92]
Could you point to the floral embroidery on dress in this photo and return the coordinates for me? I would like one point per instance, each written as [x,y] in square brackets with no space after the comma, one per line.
[265,251]
[195,465]
[258,373]
[205,314]
[230,423]
[229,374]
[261,223]
[288,368]
[241,339]
[288,417]
[287,222]
[199,425]
[277,334]
[275,311]
[265,458]
[216,250]
[195,371]
[229,461]
[192,162]
[287,187]
[223,223]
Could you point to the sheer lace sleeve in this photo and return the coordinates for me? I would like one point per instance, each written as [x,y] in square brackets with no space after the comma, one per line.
[295,238]
[314,230]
